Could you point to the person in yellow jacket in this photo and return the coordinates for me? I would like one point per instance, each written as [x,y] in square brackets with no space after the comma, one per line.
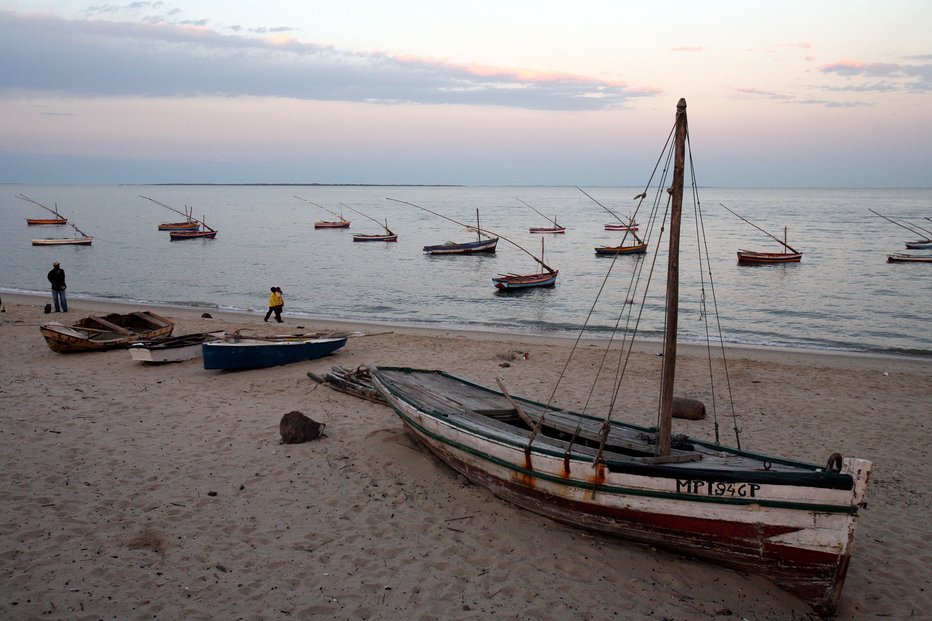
[276,304]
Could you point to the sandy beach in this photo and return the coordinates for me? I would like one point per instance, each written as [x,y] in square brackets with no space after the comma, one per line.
[133,491]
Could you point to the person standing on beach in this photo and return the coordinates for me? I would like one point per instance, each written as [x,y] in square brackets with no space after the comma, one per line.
[57,278]
[276,304]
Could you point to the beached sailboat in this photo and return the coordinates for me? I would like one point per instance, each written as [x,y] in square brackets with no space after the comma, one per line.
[341,223]
[189,229]
[754,257]
[555,228]
[387,236]
[925,241]
[57,218]
[481,245]
[790,521]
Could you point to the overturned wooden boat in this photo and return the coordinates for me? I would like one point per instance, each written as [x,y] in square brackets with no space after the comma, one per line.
[99,333]
[790,521]
[256,352]
[171,348]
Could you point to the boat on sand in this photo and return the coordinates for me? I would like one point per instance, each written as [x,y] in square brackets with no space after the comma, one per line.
[99,333]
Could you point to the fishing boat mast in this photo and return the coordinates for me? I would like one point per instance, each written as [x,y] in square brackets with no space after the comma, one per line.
[673,282]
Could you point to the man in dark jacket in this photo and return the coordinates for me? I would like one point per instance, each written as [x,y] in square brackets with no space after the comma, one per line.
[57,278]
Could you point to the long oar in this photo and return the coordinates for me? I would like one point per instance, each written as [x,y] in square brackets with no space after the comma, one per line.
[539,213]
[780,241]
[487,232]
[912,228]
[340,216]
[48,209]
[384,226]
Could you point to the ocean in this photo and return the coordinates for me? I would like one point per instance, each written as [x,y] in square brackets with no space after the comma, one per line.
[842,296]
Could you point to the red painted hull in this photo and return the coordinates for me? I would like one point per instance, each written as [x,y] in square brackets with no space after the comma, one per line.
[45,221]
[180,235]
[546,229]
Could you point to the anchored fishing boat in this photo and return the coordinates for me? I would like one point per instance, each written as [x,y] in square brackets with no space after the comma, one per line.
[556,228]
[58,219]
[790,521]
[753,257]
[342,223]
[920,244]
[481,245]
[80,238]
[189,229]
[909,258]
[387,236]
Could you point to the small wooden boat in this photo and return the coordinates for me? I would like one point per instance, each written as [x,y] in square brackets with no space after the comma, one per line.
[555,228]
[57,220]
[171,348]
[511,282]
[258,352]
[753,257]
[205,233]
[792,522]
[909,258]
[622,227]
[453,248]
[638,248]
[922,244]
[99,333]
[342,223]
[925,241]
[178,226]
[387,236]
[80,239]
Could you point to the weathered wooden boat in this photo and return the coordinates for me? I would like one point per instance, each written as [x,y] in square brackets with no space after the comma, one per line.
[342,223]
[57,220]
[922,244]
[258,352]
[753,257]
[909,258]
[178,226]
[638,248]
[80,239]
[555,228]
[790,521]
[925,241]
[205,233]
[622,227]
[99,333]
[510,282]
[481,245]
[171,348]
[387,236]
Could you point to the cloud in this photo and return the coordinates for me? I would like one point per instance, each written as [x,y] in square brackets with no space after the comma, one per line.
[793,99]
[155,58]
[884,77]
[688,48]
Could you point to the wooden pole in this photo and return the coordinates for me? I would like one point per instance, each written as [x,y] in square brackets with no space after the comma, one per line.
[673,284]
[771,235]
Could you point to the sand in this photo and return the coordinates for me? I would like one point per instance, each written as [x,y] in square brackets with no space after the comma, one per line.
[137,491]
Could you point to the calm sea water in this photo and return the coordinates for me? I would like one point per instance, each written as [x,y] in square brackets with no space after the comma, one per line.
[843,295]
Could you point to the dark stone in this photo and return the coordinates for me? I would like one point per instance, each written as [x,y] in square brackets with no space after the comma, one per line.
[688,409]
[296,428]
[206,316]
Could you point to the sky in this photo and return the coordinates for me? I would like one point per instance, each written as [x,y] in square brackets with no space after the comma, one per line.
[825,93]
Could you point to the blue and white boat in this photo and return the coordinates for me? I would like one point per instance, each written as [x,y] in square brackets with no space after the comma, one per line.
[269,351]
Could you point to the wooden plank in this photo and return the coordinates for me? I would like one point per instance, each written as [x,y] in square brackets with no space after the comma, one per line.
[110,326]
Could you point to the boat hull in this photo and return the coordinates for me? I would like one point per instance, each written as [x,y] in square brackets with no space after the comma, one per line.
[621,227]
[375,238]
[909,258]
[257,354]
[114,331]
[323,224]
[182,235]
[171,349]
[616,250]
[484,245]
[63,241]
[750,257]
[796,530]
[45,221]
[923,244]
[512,282]
[547,229]
[178,226]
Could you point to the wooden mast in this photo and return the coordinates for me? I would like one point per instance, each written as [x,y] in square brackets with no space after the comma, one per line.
[673,282]
[771,235]
[54,212]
